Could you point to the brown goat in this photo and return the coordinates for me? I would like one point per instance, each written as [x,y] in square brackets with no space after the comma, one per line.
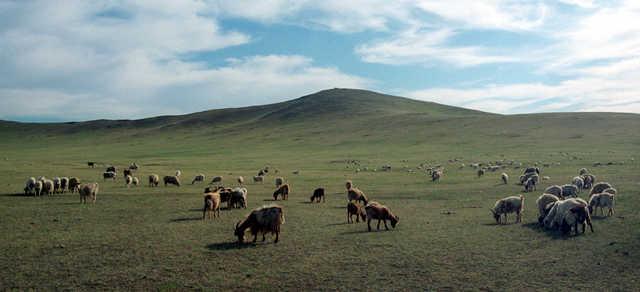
[355,194]
[355,209]
[266,219]
[380,212]
[318,195]
[283,191]
[211,205]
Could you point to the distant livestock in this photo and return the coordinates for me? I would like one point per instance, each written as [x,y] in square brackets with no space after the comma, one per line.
[505,178]
[88,191]
[282,191]
[355,194]
[47,187]
[480,172]
[266,219]
[74,183]
[154,180]
[178,173]
[578,182]
[91,164]
[198,178]
[589,180]
[126,172]
[211,205]
[599,187]
[436,175]
[238,198]
[318,194]
[258,179]
[240,180]
[216,179]
[279,181]
[512,204]
[30,187]
[109,175]
[64,184]
[56,185]
[377,211]
[555,190]
[583,171]
[111,168]
[135,181]
[569,190]
[171,180]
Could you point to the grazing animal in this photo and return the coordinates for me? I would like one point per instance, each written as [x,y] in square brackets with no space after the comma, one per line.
[560,209]
[436,175]
[128,180]
[283,191]
[225,195]
[258,179]
[377,211]
[600,187]
[578,182]
[154,180]
[91,164]
[569,190]
[611,191]
[216,179]
[279,181]
[505,178]
[530,185]
[37,188]
[198,178]
[74,183]
[348,184]
[544,203]
[211,205]
[64,184]
[555,190]
[296,172]
[109,174]
[576,215]
[266,219]
[318,194]
[47,187]
[512,204]
[111,168]
[355,209]
[602,200]
[240,180]
[126,172]
[588,179]
[29,186]
[178,173]
[56,185]
[171,180]
[583,171]
[135,181]
[133,166]
[88,191]
[480,172]
[238,198]
[355,194]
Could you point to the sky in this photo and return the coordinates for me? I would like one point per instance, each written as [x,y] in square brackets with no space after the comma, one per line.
[83,60]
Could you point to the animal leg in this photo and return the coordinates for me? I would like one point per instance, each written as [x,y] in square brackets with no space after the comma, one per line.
[385,224]
[378,224]
[369,224]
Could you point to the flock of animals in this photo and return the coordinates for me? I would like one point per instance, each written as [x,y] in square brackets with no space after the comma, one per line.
[559,207]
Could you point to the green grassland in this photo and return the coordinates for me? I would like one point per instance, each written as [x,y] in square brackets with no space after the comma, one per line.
[146,238]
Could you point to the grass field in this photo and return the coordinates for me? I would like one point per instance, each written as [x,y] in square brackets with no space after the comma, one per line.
[152,238]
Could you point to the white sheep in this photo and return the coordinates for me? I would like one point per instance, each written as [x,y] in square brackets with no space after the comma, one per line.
[578,182]
[512,204]
[505,178]
[599,187]
[557,213]
[554,190]
[601,201]
[544,203]
[569,190]
[30,186]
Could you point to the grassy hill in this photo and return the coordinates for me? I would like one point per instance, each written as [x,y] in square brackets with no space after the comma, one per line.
[143,238]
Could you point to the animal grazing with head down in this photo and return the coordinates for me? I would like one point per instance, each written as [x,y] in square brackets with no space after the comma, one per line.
[355,194]
[109,174]
[600,187]
[216,179]
[569,190]
[555,190]
[588,180]
[240,180]
[279,181]
[88,191]
[171,180]
[74,183]
[47,187]
[238,198]
[568,213]
[128,180]
[64,184]
[357,210]
[377,211]
[436,175]
[111,168]
[544,203]
[578,182]
[56,185]
[154,179]
[282,191]
[198,178]
[512,204]
[318,194]
[126,172]
[266,219]
[602,200]
[30,186]
[258,179]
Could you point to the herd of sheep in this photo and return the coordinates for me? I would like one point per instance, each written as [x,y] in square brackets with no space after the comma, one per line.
[559,207]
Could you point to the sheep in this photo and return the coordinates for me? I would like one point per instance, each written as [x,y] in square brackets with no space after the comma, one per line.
[583,171]
[602,200]
[574,216]
[355,194]
[29,186]
[555,190]
[266,219]
[279,181]
[198,178]
[89,190]
[211,205]
[126,172]
[318,194]
[128,180]
[74,183]
[588,180]
[109,174]
[56,185]
[611,191]
[355,209]
[154,179]
[283,191]
[178,173]
[216,179]
[135,181]
[37,188]
[240,180]
[380,212]
[133,166]
[91,164]
[111,168]
[560,209]
[480,172]
[348,184]
[47,187]
[544,203]
[238,198]
[526,176]
[530,185]
[505,178]
[578,182]
[171,180]
[512,204]
[599,187]
[532,170]
[225,194]
[258,179]
[436,175]
[569,190]
[64,184]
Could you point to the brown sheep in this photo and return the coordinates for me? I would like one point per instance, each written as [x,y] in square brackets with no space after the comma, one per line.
[211,205]
[154,179]
[355,194]
[355,209]
[74,183]
[283,191]
[88,191]
[318,194]
[266,219]
[380,212]
[171,180]
[47,187]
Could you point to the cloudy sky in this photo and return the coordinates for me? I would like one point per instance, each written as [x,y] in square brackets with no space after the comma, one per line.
[78,60]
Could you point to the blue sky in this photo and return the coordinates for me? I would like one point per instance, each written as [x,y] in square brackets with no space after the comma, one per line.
[82,60]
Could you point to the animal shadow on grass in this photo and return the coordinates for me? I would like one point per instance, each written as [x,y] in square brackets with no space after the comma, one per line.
[536,227]
[229,245]
[16,195]
[186,219]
